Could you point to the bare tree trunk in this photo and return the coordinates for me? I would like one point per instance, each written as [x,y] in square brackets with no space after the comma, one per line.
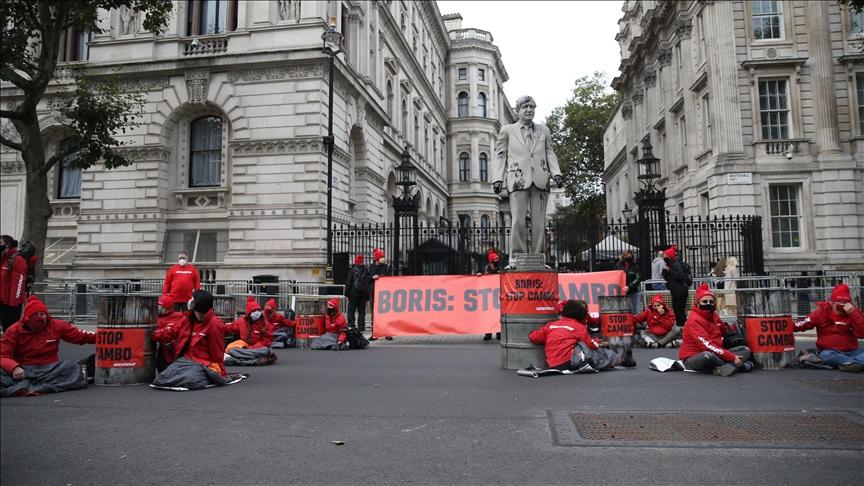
[36,207]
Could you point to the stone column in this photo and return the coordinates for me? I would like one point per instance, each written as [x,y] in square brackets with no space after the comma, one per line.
[723,70]
[821,74]
[475,156]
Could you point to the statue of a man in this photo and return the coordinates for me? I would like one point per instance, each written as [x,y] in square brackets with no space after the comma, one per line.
[526,163]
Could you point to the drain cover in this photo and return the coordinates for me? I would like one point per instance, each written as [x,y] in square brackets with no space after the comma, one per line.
[838,385]
[804,430]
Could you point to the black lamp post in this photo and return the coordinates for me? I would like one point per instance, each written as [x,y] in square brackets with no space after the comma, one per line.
[650,204]
[332,47]
[405,206]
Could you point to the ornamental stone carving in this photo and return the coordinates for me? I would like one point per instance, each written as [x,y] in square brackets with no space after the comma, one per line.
[650,78]
[627,110]
[12,167]
[684,27]
[145,154]
[277,146]
[144,84]
[638,95]
[197,83]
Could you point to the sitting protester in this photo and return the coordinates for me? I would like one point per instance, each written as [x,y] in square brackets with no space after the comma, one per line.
[335,329]
[200,345]
[660,329]
[839,325]
[284,327]
[568,346]
[255,335]
[168,319]
[28,354]
[702,346]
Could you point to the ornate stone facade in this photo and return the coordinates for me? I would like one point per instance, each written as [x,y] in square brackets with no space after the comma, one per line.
[764,122]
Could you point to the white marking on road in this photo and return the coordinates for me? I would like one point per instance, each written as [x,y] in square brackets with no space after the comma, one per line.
[420,426]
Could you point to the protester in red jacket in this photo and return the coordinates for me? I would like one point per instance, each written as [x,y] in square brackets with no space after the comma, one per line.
[702,345]
[29,354]
[284,326]
[165,324]
[13,282]
[335,329]
[252,328]
[202,338]
[561,337]
[839,325]
[659,320]
[275,319]
[180,281]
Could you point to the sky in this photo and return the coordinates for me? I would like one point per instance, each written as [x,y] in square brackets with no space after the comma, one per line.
[546,45]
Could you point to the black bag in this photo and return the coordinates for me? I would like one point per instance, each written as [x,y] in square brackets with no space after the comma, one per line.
[688,275]
[362,280]
[356,339]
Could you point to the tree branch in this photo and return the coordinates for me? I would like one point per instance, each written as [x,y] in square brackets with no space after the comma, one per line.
[52,161]
[9,143]
[11,114]
[9,74]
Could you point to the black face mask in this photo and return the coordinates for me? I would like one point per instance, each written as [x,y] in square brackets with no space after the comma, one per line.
[668,261]
[331,311]
[707,307]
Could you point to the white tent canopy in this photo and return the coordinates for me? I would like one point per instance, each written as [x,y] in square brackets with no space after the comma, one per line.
[609,249]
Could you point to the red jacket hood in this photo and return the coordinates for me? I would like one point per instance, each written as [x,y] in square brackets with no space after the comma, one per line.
[33,306]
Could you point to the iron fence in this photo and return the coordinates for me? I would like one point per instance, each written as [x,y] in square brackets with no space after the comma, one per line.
[570,246]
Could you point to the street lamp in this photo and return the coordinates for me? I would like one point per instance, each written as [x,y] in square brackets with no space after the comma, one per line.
[649,166]
[405,206]
[627,212]
[651,209]
[332,47]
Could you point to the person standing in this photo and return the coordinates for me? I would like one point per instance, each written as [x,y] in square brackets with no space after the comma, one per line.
[839,325]
[13,282]
[379,269]
[525,163]
[181,280]
[678,281]
[357,291]
[657,271]
[492,267]
[627,264]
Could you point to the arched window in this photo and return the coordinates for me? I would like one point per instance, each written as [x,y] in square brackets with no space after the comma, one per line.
[484,225]
[390,98]
[464,167]
[205,152]
[463,104]
[481,104]
[68,176]
[484,168]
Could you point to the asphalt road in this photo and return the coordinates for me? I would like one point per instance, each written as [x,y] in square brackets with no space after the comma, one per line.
[408,412]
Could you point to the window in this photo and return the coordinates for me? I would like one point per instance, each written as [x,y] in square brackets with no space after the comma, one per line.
[481,74]
[68,176]
[856,21]
[390,98]
[484,168]
[464,220]
[682,136]
[208,246]
[774,109]
[464,167]
[417,130]
[463,74]
[76,46]
[706,123]
[211,17]
[785,215]
[700,48]
[206,152]
[463,104]
[404,117]
[767,16]
[202,245]
[859,89]
[481,104]
[705,204]
[679,60]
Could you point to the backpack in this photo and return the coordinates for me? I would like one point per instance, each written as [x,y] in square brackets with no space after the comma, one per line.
[356,339]
[362,280]
[688,277]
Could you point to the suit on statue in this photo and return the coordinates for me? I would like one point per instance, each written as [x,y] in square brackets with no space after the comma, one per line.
[526,163]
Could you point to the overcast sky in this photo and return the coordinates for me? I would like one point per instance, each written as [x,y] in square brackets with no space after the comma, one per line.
[544,45]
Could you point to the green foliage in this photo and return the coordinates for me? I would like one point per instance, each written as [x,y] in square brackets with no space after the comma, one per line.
[853,5]
[577,135]
[579,225]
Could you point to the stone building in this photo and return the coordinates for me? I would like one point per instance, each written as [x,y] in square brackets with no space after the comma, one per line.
[229,162]
[754,107]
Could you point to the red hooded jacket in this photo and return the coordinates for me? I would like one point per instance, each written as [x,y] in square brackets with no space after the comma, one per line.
[559,338]
[656,324]
[257,334]
[275,319]
[704,331]
[164,326]
[336,324]
[13,278]
[21,346]
[207,344]
[834,331]
[180,282]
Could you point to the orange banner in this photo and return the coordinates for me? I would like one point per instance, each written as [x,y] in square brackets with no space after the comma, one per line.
[769,334]
[529,293]
[464,304]
[616,325]
[120,347]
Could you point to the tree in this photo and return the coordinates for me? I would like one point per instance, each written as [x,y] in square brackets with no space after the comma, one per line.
[577,135]
[95,111]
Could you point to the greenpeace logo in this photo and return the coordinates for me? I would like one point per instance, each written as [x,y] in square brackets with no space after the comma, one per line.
[544,308]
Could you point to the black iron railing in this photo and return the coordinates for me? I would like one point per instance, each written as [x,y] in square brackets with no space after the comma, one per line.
[454,249]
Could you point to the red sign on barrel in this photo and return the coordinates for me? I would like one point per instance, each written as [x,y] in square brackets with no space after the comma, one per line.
[770,334]
[616,325]
[309,326]
[120,347]
[529,293]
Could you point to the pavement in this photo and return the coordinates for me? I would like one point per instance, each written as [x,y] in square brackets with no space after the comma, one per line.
[422,410]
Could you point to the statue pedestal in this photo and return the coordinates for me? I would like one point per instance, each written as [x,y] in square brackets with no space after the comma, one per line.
[529,300]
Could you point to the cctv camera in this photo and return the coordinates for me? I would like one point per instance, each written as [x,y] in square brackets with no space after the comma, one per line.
[788,155]
[195,43]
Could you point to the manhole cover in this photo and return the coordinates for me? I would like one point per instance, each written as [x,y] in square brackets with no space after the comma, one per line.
[838,385]
[804,430]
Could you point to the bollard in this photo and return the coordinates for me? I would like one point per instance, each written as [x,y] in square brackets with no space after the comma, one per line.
[765,315]
[124,350]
